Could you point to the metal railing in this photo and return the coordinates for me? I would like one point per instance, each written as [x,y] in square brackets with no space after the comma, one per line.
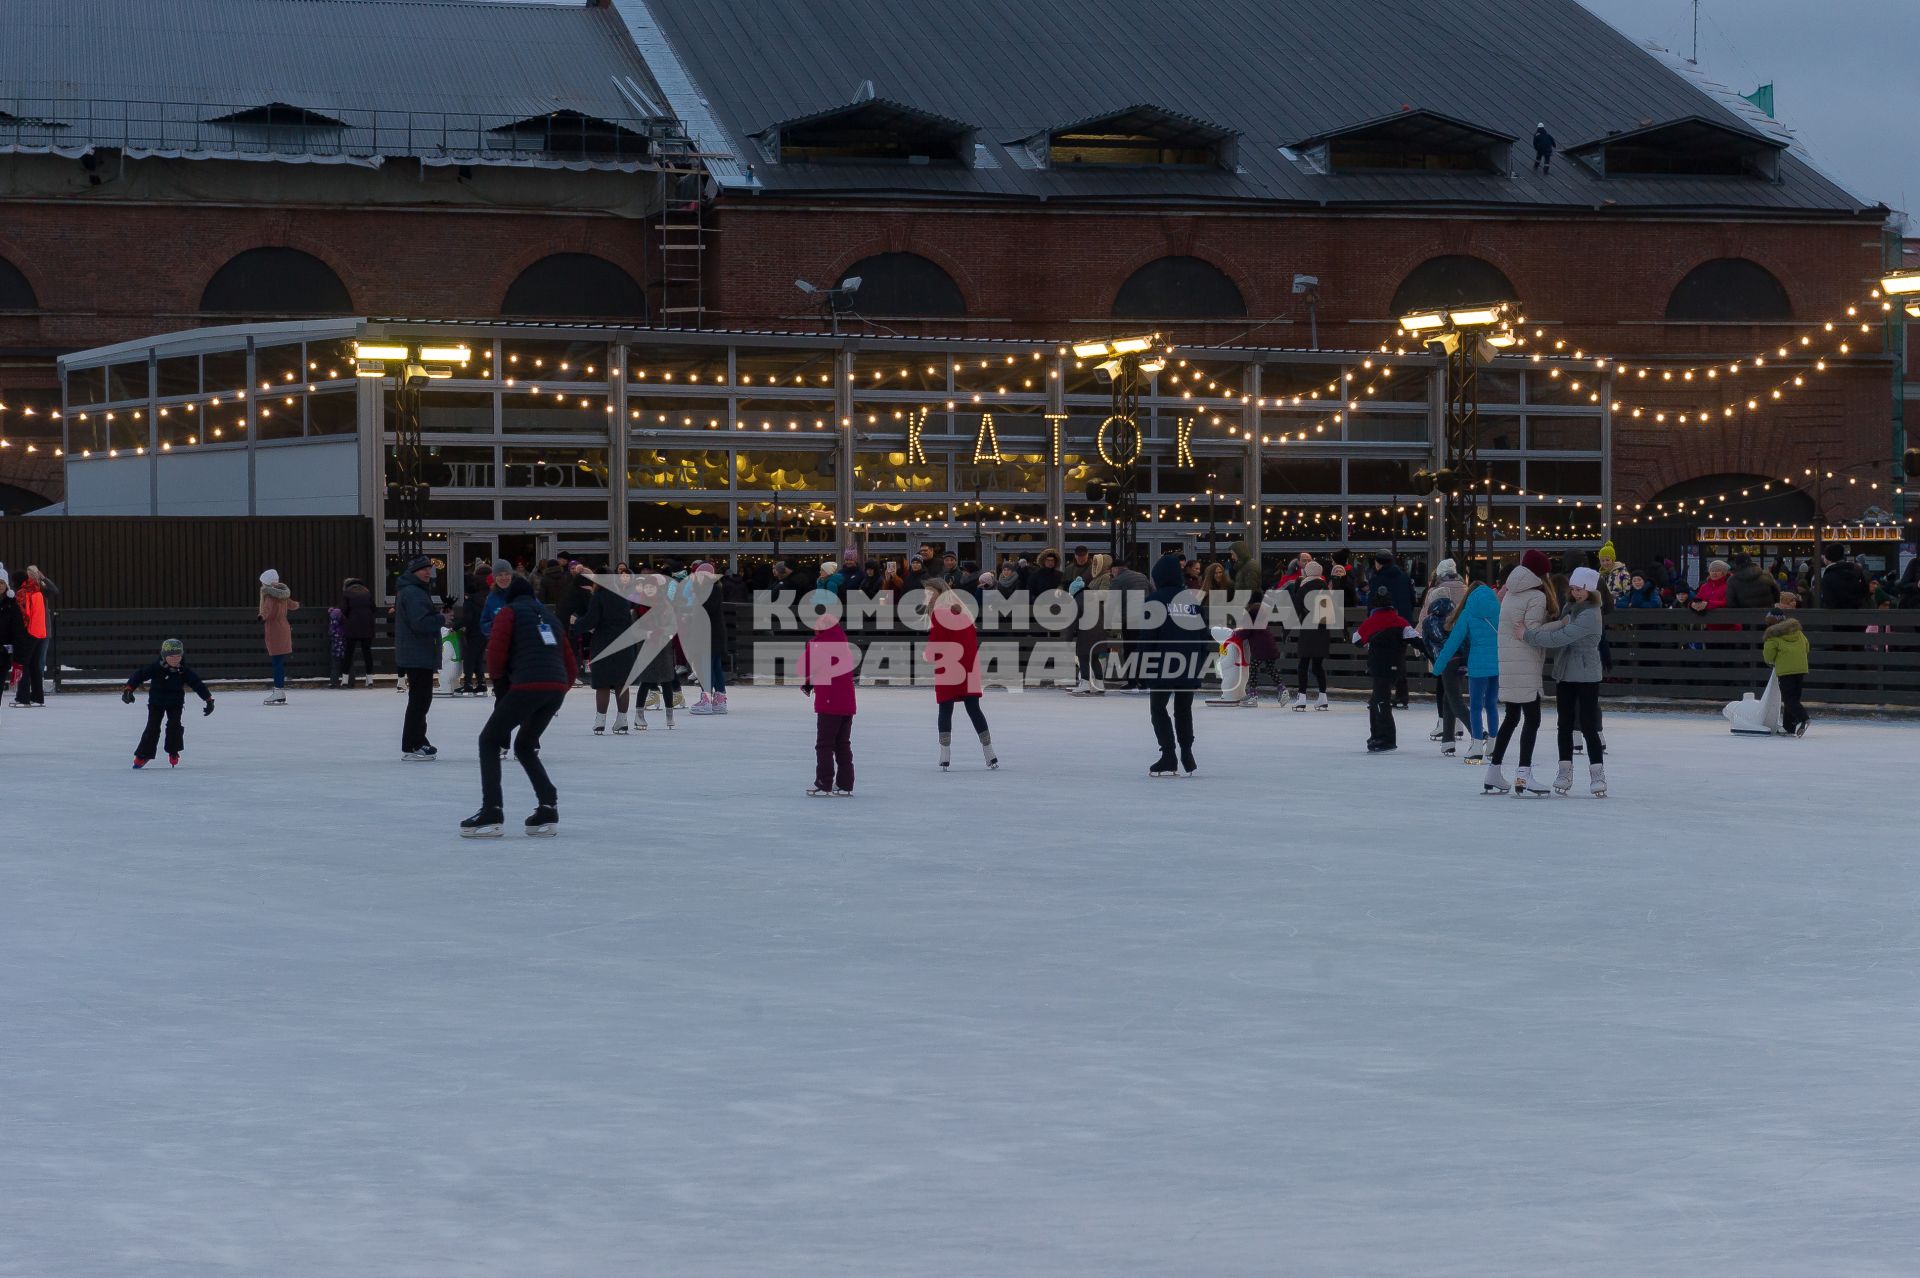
[211,129]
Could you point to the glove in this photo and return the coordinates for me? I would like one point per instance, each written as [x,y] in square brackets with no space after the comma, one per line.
[807,688]
[126,695]
[207,709]
[1079,584]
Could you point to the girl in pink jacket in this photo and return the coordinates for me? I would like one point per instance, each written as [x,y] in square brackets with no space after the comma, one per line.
[827,667]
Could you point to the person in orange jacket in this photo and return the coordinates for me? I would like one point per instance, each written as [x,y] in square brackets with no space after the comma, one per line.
[31,598]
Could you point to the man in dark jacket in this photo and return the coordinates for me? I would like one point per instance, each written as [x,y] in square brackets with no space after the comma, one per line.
[1047,575]
[1751,586]
[1173,655]
[1384,634]
[416,654]
[473,635]
[532,667]
[1389,576]
[1543,145]
[1843,584]
[356,627]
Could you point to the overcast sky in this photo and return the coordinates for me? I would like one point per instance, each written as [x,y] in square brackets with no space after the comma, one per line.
[1845,76]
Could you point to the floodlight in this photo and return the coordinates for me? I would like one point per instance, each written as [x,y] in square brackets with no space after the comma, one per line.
[1305,283]
[1153,364]
[1478,316]
[1422,321]
[445,354]
[805,287]
[370,368]
[366,350]
[1132,345]
[1108,371]
[1503,339]
[851,284]
[1087,350]
[1913,309]
[1901,283]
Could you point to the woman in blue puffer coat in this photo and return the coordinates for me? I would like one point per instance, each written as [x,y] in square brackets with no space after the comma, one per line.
[1475,625]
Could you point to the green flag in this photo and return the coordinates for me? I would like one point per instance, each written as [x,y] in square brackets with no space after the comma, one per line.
[1762,97]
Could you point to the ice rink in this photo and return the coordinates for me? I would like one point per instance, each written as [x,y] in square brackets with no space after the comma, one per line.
[1310,1013]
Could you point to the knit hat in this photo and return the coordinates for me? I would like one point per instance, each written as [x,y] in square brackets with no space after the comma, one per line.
[172,647]
[1313,568]
[1606,551]
[988,580]
[1380,599]
[269,578]
[1447,568]
[1536,562]
[703,566]
[1584,578]
[1775,614]
[501,568]
[418,562]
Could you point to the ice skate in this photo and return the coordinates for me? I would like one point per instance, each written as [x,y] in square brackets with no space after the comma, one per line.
[1477,750]
[544,823]
[719,703]
[173,761]
[986,749]
[843,794]
[1800,731]
[653,700]
[278,697]
[1439,732]
[1188,763]
[422,755]
[669,718]
[1494,782]
[1299,701]
[1597,779]
[620,725]
[815,792]
[1164,766]
[639,719]
[1523,785]
[600,725]
[1381,747]
[1447,749]
[1321,704]
[484,824]
[138,763]
[1563,784]
[946,750]
[704,706]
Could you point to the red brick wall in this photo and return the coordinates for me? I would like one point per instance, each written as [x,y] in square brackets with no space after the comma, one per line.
[1600,283]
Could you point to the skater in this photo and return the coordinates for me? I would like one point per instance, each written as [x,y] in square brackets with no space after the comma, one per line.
[1575,640]
[276,602]
[473,640]
[655,623]
[13,634]
[416,654]
[30,643]
[1786,649]
[607,618]
[705,586]
[1086,581]
[1444,595]
[1528,602]
[827,666]
[356,624]
[169,678]
[1173,658]
[953,649]
[1384,634]
[532,667]
[1312,604]
[336,646]
[1474,627]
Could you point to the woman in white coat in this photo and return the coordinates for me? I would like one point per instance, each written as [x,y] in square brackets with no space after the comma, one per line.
[1527,601]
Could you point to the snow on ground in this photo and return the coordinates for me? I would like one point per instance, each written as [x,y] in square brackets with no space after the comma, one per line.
[1311,1013]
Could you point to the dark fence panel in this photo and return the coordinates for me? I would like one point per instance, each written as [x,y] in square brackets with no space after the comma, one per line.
[189,563]
[222,643]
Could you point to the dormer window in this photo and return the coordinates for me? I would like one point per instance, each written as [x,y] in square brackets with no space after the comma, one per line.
[571,134]
[870,131]
[1417,141]
[280,115]
[1139,137]
[1682,148]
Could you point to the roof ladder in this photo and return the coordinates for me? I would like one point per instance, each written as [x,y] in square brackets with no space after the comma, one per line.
[683,241]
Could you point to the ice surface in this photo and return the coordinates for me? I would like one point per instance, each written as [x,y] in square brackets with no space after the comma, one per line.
[1312,1013]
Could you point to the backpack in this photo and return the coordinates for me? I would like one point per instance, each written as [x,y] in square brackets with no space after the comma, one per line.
[1433,626]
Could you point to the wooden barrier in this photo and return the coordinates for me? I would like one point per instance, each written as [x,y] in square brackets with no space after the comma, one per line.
[222,643]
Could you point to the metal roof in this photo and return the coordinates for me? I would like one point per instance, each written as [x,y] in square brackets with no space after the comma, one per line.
[436,79]
[1274,71]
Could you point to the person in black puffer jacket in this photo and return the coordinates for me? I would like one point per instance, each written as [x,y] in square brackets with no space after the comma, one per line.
[1174,652]
[1751,586]
[356,625]
[532,666]
[167,682]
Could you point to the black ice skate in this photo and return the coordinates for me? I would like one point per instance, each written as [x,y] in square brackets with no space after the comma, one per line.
[1187,761]
[544,823]
[484,824]
[1164,766]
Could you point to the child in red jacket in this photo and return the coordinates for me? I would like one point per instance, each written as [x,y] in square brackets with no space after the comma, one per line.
[827,666]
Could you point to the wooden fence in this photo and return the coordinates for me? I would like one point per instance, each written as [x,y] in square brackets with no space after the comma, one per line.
[222,643]
[188,563]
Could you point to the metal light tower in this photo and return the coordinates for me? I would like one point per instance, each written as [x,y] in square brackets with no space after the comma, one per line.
[1468,336]
[1126,363]
[407,489]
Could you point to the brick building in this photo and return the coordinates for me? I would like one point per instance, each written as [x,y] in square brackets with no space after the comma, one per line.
[1092,166]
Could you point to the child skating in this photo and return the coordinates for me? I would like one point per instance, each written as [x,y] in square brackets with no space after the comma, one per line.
[168,680]
[953,650]
[1385,634]
[827,666]
[1787,650]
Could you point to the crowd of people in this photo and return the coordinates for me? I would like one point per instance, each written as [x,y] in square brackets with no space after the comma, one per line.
[530,633]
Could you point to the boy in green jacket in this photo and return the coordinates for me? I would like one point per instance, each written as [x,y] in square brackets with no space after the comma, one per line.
[1786,651]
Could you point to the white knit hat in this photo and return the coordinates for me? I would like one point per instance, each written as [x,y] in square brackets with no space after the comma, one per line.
[1447,568]
[1584,578]
[270,578]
